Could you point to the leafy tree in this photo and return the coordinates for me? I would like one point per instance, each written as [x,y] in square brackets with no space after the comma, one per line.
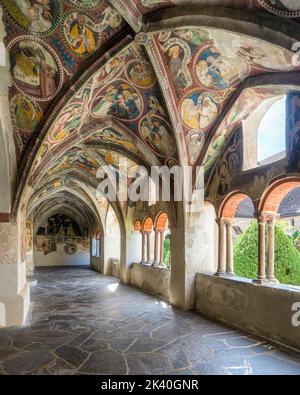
[287,258]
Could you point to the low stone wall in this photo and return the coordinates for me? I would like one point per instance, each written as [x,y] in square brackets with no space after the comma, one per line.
[262,310]
[155,280]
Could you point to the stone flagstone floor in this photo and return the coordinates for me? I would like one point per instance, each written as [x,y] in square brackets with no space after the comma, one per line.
[84,323]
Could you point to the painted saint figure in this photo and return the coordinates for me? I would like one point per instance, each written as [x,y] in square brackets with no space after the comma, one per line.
[175,60]
[34,67]
[81,37]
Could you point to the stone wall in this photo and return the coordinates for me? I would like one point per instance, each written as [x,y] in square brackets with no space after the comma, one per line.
[154,280]
[262,310]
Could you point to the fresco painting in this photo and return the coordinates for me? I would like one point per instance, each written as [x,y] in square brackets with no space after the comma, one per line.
[26,114]
[120,100]
[114,136]
[287,8]
[84,3]
[67,123]
[35,69]
[243,106]
[141,74]
[293,126]
[83,34]
[35,16]
[198,111]
[157,133]
[205,67]
[216,71]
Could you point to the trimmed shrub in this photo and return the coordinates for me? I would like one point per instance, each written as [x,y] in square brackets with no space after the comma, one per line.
[287,258]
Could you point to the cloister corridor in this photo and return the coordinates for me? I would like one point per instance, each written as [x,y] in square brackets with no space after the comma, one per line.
[83,323]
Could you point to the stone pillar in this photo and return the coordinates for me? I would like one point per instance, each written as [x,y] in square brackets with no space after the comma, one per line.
[143,247]
[222,248]
[148,247]
[229,248]
[271,219]
[261,250]
[156,248]
[14,289]
[161,256]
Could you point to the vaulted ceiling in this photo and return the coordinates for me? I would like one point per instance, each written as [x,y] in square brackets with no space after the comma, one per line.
[156,82]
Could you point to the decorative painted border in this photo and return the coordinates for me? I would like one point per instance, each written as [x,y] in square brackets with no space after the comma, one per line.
[78,4]
[56,58]
[28,31]
[276,11]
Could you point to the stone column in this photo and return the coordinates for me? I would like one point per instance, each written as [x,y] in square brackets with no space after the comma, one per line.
[222,248]
[229,248]
[148,247]
[261,250]
[156,248]
[271,219]
[143,247]
[161,256]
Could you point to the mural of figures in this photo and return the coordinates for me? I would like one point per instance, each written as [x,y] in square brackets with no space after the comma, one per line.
[141,74]
[265,55]
[79,34]
[287,8]
[156,132]
[35,16]
[28,236]
[215,71]
[293,126]
[44,244]
[25,113]
[175,62]
[61,225]
[66,123]
[113,136]
[109,71]
[120,100]
[34,69]
[195,144]
[70,248]
[83,35]
[246,103]
[199,111]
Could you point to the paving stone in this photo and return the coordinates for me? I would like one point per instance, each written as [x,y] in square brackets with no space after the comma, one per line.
[79,327]
[73,355]
[105,362]
[27,362]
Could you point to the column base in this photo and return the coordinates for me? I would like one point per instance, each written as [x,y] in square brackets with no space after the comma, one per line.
[219,274]
[273,280]
[13,311]
[261,281]
[224,274]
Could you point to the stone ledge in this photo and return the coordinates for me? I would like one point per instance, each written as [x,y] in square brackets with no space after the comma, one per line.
[259,309]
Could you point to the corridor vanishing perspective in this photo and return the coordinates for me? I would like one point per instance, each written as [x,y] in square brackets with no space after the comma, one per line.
[150,184]
[83,323]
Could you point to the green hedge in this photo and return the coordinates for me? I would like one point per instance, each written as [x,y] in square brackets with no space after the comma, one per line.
[287,258]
